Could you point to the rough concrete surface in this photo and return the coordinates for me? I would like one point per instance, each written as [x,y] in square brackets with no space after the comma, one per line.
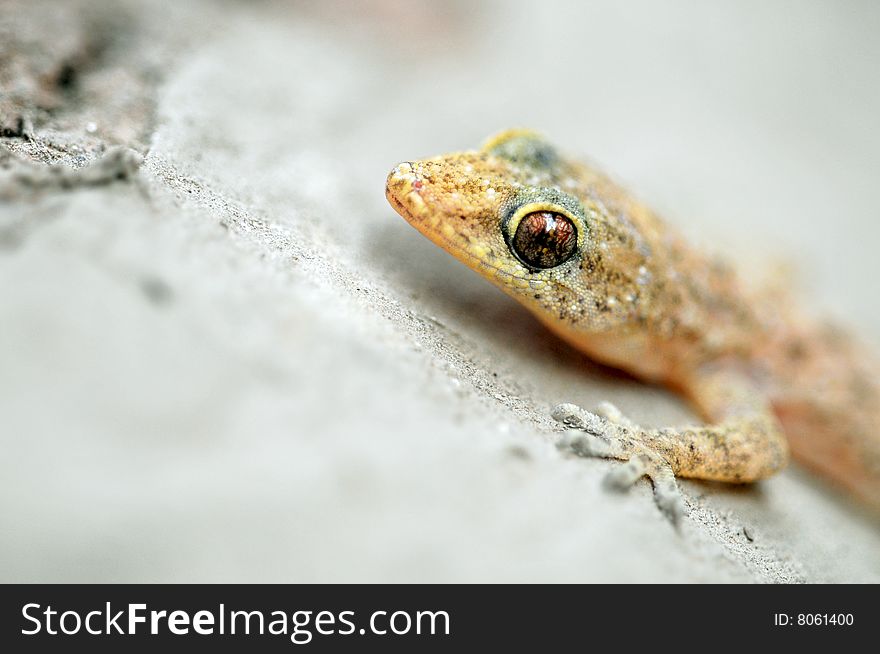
[223,357]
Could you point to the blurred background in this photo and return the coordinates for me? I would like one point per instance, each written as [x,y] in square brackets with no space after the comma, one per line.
[242,365]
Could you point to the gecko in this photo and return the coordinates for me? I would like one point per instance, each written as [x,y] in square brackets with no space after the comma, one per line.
[606,274]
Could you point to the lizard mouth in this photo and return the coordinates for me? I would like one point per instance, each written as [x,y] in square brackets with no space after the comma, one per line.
[402,191]
[400,207]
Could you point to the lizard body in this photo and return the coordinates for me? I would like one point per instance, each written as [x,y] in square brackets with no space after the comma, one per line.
[607,275]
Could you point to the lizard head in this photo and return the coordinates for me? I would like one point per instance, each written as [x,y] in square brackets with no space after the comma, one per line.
[514,212]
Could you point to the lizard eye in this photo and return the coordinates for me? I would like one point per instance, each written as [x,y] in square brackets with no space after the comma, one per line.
[544,239]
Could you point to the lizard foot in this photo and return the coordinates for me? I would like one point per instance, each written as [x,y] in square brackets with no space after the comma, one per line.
[608,434]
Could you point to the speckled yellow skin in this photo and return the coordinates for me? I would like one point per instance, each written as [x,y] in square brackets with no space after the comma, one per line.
[637,297]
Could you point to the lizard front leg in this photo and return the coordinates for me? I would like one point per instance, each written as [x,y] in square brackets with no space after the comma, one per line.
[743,443]
[612,436]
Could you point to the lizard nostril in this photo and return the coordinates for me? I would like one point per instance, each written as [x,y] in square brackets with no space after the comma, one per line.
[404,172]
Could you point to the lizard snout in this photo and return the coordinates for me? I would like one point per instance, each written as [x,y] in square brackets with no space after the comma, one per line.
[402,190]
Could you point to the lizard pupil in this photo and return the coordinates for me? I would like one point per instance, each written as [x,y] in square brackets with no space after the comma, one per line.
[544,239]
